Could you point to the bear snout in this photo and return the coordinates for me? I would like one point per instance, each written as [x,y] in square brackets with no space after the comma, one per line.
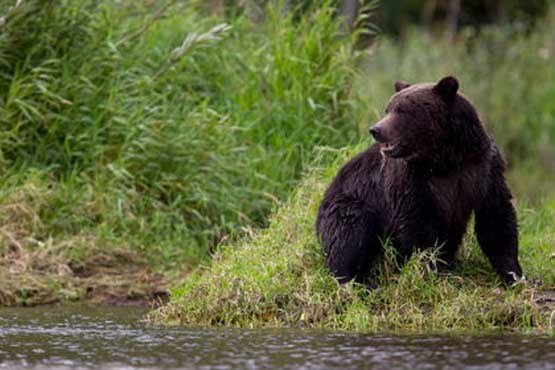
[377,133]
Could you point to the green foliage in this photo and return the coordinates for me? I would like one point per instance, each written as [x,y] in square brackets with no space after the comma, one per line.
[276,277]
[172,124]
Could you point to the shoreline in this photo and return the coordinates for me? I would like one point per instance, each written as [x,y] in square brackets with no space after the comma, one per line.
[29,278]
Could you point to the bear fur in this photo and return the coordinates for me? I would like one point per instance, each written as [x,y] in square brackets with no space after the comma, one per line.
[432,166]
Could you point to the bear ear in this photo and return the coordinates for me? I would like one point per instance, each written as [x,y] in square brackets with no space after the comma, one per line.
[400,85]
[447,88]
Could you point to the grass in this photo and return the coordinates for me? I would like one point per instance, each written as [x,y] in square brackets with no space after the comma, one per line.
[276,277]
[156,128]
[164,117]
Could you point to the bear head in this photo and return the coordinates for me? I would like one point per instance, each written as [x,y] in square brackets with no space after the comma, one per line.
[429,122]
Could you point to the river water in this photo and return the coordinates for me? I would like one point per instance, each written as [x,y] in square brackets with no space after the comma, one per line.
[117,338]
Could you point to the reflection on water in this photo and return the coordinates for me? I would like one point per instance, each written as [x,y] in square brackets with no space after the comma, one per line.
[66,338]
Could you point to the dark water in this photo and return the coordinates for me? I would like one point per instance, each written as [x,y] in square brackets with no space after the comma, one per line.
[115,338]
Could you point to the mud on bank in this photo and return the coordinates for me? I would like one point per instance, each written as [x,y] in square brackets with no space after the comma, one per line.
[33,275]
[41,266]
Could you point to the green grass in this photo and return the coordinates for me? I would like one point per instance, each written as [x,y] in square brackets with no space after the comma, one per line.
[163,127]
[276,277]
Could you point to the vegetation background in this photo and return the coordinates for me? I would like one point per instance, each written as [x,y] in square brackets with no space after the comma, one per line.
[137,137]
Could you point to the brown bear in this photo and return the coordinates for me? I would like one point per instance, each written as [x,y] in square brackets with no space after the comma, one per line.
[432,166]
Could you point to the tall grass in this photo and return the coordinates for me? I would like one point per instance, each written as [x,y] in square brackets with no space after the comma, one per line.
[177,128]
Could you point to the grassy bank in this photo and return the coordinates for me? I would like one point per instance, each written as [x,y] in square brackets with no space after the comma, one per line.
[276,277]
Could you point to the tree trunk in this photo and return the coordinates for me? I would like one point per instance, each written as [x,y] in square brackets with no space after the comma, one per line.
[349,10]
[453,17]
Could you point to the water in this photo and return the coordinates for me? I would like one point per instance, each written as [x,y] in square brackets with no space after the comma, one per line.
[116,338]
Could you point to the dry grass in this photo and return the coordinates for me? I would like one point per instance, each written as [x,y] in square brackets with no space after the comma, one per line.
[37,268]
[43,274]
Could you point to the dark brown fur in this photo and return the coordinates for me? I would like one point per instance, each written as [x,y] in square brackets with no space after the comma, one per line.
[433,166]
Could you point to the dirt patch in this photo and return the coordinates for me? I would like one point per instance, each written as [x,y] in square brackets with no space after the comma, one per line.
[24,281]
[38,268]
[37,273]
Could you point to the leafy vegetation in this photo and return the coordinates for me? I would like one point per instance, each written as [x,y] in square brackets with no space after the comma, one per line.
[396,16]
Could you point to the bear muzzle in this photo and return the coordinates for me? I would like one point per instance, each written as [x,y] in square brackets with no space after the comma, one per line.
[376,133]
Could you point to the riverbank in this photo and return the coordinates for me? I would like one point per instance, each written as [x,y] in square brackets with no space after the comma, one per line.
[50,254]
[42,276]
[270,277]
[78,269]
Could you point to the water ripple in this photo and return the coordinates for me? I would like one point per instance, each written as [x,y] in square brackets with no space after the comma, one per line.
[115,338]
